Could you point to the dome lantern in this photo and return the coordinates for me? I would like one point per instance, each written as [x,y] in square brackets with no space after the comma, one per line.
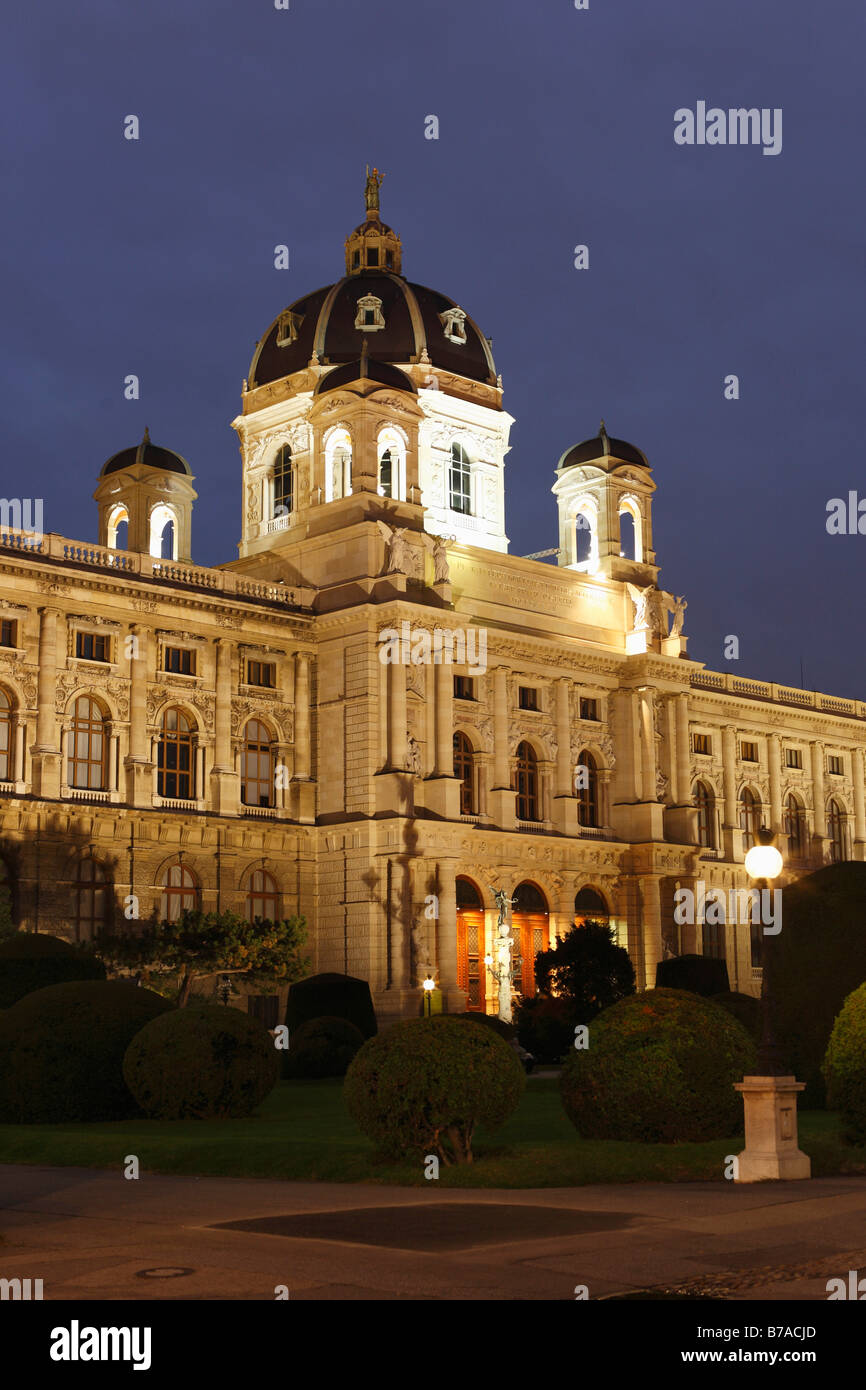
[373,246]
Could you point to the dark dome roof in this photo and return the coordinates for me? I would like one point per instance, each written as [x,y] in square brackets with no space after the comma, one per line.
[369,369]
[602,446]
[325,324]
[166,460]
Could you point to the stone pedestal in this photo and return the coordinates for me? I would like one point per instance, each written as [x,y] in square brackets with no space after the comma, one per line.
[395,794]
[771,1152]
[225,791]
[139,781]
[302,801]
[565,815]
[501,808]
[442,797]
[45,773]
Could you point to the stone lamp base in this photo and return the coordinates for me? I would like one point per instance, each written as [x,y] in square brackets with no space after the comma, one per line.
[771,1152]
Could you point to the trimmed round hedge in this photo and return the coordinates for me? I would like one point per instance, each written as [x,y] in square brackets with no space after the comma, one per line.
[35,960]
[331,996]
[61,1051]
[202,1062]
[422,1086]
[321,1047]
[660,1068]
[845,1066]
[492,1021]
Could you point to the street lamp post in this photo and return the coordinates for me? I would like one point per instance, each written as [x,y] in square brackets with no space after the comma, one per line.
[770,1093]
[428,987]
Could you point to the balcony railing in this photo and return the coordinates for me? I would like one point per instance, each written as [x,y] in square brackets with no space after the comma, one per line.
[228,582]
[779,694]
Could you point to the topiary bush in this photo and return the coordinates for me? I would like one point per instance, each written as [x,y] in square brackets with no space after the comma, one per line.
[61,1051]
[423,1086]
[702,975]
[844,1066]
[745,1008]
[332,996]
[545,1027]
[202,1062]
[814,963]
[660,1068]
[493,1021]
[321,1047]
[34,960]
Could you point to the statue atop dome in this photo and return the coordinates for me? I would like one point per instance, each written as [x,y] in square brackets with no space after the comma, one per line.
[371,190]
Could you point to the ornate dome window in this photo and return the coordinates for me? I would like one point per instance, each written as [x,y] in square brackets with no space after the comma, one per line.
[288,327]
[454,325]
[369,317]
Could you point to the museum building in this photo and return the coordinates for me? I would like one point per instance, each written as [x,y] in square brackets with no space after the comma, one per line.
[375,716]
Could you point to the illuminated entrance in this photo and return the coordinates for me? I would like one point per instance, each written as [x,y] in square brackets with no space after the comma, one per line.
[471,971]
[530,926]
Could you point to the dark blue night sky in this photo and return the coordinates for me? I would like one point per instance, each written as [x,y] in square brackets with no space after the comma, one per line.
[556,128]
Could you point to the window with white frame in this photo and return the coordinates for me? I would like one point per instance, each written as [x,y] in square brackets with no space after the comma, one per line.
[369,317]
[338,465]
[391,452]
[460,480]
[454,325]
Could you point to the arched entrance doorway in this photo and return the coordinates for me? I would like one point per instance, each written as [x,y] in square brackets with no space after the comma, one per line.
[529,923]
[590,906]
[471,971]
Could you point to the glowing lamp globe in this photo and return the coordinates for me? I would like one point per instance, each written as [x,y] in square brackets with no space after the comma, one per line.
[763,861]
[429,984]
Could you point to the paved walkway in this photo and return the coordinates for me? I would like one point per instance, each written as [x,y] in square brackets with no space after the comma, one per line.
[91,1234]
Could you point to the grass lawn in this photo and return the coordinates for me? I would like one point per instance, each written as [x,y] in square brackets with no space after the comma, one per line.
[303,1132]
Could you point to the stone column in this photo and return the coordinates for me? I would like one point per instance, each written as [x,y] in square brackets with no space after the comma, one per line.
[731,833]
[140,778]
[113,762]
[302,716]
[820,811]
[859,805]
[46,754]
[652,926]
[647,747]
[397,717]
[684,757]
[502,797]
[224,782]
[564,774]
[444,762]
[774,754]
[20,737]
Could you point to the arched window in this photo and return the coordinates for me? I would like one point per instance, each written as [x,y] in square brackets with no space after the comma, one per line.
[590,906]
[627,544]
[583,546]
[338,465]
[706,804]
[263,897]
[90,899]
[526,777]
[163,533]
[118,518]
[257,765]
[179,892]
[175,775]
[7,729]
[471,974]
[87,747]
[391,450]
[750,817]
[386,474]
[460,480]
[530,927]
[283,484]
[586,786]
[468,895]
[795,828]
[837,827]
[463,770]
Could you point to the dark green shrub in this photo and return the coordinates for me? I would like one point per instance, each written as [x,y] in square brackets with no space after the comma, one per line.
[321,1047]
[61,1051]
[34,960]
[545,1027]
[814,963]
[587,969]
[845,1066]
[332,996]
[660,1068]
[504,1030]
[422,1086]
[745,1008]
[698,974]
[202,1062]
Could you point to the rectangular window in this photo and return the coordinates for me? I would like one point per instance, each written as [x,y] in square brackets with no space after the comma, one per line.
[180,660]
[793,757]
[588,708]
[91,646]
[464,688]
[527,697]
[262,673]
[372,255]
[834,764]
[8,632]
[749,752]
[702,743]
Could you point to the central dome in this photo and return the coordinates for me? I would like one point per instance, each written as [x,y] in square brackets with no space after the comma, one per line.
[401,322]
